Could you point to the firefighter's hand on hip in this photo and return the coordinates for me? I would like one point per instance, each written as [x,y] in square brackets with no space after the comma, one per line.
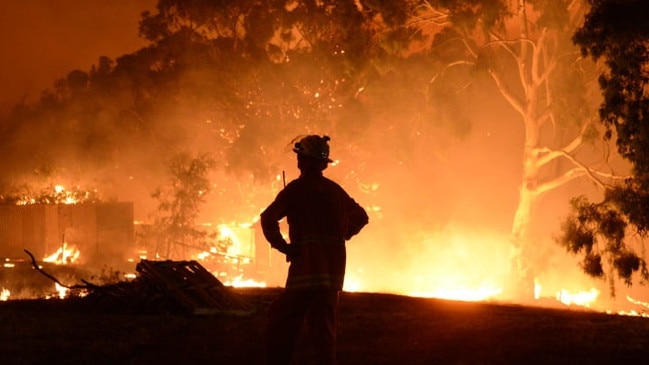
[292,251]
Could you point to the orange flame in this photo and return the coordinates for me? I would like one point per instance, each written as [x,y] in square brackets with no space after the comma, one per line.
[64,255]
[442,264]
[240,282]
[5,294]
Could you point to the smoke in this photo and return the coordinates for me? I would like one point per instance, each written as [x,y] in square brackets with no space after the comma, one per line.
[43,40]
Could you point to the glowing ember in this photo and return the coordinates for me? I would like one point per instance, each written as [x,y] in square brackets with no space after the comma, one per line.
[64,255]
[4,294]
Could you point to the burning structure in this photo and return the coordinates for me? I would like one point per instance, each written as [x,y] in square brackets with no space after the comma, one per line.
[71,239]
[103,232]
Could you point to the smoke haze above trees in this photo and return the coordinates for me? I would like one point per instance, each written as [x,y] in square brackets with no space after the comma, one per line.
[41,40]
[239,80]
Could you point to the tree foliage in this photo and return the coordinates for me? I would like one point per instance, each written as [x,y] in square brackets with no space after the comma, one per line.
[595,233]
[616,33]
[174,230]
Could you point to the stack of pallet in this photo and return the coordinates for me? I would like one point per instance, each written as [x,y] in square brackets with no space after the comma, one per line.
[195,288]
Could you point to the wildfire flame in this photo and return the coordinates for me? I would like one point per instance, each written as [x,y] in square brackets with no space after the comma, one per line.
[67,197]
[643,304]
[234,234]
[234,251]
[445,265]
[64,255]
[59,196]
[4,294]
[240,282]
[439,265]
[483,292]
[61,290]
[583,298]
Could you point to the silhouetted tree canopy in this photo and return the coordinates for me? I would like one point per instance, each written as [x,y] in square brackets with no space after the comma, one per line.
[616,32]
[610,232]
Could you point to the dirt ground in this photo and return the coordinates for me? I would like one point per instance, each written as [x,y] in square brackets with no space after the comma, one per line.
[374,329]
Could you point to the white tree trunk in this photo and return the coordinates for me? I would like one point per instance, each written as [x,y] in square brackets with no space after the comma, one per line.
[522,273]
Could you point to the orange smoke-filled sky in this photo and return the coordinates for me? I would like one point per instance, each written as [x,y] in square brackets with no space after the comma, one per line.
[43,40]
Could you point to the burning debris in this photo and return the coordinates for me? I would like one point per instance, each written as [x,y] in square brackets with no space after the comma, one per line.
[160,286]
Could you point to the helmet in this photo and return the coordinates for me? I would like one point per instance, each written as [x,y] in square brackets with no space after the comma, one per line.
[313,146]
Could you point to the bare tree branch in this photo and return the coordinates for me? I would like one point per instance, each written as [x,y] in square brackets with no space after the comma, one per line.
[448,66]
[537,78]
[505,44]
[579,171]
[563,179]
[551,154]
[53,278]
[429,15]
[507,94]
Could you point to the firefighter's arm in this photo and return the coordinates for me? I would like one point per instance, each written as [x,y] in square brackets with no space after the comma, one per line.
[358,218]
[270,228]
[270,218]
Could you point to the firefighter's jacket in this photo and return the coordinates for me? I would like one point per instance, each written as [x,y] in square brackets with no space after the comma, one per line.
[321,216]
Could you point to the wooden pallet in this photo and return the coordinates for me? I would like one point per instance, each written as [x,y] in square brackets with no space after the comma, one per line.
[195,288]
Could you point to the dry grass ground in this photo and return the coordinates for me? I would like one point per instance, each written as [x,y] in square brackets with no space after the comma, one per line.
[374,329]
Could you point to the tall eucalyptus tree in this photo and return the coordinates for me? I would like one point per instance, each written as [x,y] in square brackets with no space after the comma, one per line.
[524,49]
